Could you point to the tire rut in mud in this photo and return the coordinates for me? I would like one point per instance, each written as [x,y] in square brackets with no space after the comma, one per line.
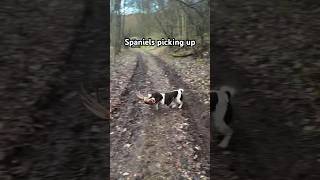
[129,117]
[135,84]
[147,130]
[137,74]
[193,108]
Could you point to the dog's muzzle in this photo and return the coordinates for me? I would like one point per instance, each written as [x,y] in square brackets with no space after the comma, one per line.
[145,99]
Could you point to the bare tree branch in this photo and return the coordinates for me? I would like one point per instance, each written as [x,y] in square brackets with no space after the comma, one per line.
[191,6]
[162,28]
[92,104]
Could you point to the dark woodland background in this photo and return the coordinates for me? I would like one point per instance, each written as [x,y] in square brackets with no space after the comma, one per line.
[269,51]
[48,49]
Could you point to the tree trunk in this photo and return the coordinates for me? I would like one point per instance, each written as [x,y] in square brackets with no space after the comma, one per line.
[180,24]
[117,45]
[123,23]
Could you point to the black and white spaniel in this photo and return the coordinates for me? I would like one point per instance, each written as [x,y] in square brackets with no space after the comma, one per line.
[222,113]
[171,99]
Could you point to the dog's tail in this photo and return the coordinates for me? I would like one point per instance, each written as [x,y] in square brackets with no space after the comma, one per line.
[180,90]
[229,90]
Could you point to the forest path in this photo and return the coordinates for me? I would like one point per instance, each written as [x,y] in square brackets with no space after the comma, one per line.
[164,144]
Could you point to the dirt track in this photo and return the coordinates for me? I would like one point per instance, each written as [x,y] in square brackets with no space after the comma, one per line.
[147,144]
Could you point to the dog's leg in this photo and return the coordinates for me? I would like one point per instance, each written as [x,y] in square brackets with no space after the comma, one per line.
[179,101]
[180,105]
[157,106]
[173,105]
[227,136]
[222,127]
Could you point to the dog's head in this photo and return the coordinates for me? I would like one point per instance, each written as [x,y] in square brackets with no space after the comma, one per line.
[146,99]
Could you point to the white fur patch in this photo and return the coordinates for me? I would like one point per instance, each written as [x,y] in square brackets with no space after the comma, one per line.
[163,98]
[176,102]
[219,115]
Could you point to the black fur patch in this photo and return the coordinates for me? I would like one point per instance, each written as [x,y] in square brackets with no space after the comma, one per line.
[229,112]
[229,94]
[228,115]
[215,100]
[157,96]
[169,97]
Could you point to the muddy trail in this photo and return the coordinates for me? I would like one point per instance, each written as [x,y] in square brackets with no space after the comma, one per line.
[150,144]
[263,146]
[201,118]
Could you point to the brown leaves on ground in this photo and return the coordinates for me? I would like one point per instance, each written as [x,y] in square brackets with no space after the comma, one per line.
[121,70]
[195,72]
